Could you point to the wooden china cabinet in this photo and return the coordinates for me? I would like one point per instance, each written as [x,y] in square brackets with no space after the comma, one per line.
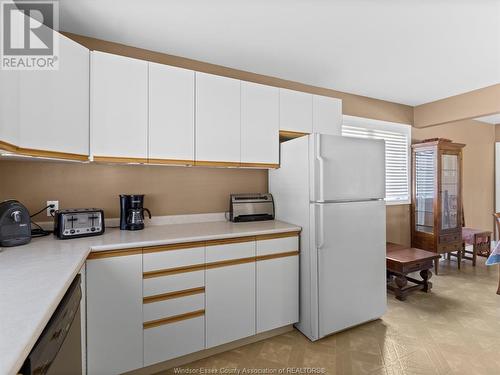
[436,209]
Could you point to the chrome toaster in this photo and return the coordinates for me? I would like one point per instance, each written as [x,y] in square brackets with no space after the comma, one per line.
[79,222]
[251,207]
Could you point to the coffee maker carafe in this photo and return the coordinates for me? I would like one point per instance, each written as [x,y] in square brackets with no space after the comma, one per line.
[132,211]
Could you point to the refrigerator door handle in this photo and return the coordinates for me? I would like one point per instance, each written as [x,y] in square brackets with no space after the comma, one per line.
[320,233]
[321,163]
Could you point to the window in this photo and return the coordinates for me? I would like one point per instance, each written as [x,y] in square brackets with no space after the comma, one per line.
[397,139]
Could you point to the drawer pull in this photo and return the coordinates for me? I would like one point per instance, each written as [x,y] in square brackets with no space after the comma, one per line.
[277,255]
[173,271]
[173,319]
[171,295]
[230,262]
[271,236]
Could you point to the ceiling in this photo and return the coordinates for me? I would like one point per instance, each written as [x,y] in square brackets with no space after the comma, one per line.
[493,119]
[411,52]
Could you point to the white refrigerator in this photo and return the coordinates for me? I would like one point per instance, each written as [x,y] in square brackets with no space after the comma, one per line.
[334,188]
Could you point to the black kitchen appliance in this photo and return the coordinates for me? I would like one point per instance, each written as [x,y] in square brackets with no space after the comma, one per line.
[132,211]
[78,222]
[15,224]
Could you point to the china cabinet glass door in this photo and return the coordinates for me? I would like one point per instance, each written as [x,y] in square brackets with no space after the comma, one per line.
[449,191]
[424,190]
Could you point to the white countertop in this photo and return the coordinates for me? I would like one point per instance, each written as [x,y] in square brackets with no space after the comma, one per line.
[34,277]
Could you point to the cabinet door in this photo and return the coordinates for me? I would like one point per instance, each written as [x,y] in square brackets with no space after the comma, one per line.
[327,115]
[54,104]
[295,111]
[171,113]
[277,292]
[259,123]
[119,107]
[217,118]
[9,107]
[229,291]
[230,303]
[114,315]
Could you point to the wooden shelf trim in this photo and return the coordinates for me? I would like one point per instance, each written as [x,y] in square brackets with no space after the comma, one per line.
[230,262]
[277,255]
[262,237]
[42,153]
[175,246]
[114,253]
[260,165]
[184,245]
[173,271]
[203,163]
[225,241]
[173,319]
[171,161]
[117,159]
[172,295]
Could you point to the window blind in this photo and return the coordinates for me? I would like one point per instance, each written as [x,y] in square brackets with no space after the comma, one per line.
[397,139]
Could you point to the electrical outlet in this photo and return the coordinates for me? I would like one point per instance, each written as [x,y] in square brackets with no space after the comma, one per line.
[51,209]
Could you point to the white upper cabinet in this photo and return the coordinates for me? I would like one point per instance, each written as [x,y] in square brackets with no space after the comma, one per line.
[259,123]
[171,113]
[119,107]
[54,104]
[296,111]
[9,107]
[217,118]
[327,115]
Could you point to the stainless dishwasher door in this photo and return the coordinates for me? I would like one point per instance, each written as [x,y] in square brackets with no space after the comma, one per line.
[58,350]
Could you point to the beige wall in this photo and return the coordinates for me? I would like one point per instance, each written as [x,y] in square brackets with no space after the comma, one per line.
[398,224]
[169,190]
[470,105]
[478,164]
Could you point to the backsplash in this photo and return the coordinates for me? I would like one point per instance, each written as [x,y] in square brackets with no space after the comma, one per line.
[169,190]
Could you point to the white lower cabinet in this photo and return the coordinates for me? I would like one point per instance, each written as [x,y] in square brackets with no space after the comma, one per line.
[114,314]
[277,282]
[277,292]
[174,340]
[230,303]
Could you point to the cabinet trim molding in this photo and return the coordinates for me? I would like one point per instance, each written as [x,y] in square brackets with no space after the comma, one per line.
[114,253]
[42,153]
[230,262]
[172,295]
[225,241]
[259,165]
[271,236]
[175,246]
[206,163]
[8,146]
[173,319]
[277,255]
[173,271]
[171,162]
[118,159]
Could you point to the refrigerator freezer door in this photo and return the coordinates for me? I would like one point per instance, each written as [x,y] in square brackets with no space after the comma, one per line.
[350,241]
[346,169]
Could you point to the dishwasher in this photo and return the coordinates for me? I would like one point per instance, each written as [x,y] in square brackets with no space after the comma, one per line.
[58,349]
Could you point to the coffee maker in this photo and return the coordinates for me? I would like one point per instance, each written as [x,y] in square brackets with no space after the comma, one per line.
[132,211]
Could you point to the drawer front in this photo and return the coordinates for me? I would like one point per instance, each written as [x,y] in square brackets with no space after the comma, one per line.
[446,248]
[173,283]
[172,307]
[424,265]
[174,340]
[217,253]
[173,258]
[277,245]
[450,238]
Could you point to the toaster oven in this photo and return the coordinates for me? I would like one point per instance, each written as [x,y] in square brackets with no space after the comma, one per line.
[251,207]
